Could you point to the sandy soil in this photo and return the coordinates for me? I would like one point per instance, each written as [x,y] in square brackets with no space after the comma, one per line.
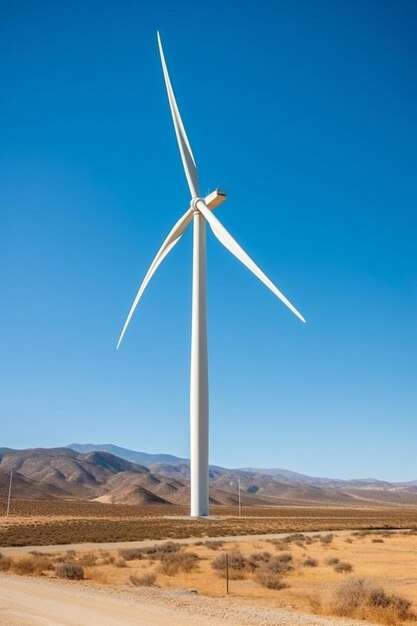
[37,602]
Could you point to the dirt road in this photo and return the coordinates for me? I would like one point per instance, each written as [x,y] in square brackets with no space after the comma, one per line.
[37,602]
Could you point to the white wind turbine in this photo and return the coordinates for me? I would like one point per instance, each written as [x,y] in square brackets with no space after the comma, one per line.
[199,212]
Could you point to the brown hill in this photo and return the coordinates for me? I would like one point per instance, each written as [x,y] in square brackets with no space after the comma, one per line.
[43,473]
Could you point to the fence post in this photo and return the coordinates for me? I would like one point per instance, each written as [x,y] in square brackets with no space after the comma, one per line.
[227,573]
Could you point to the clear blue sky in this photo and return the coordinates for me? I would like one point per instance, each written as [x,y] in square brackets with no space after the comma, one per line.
[305,112]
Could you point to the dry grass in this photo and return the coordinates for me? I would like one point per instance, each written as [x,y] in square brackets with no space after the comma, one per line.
[147,580]
[363,599]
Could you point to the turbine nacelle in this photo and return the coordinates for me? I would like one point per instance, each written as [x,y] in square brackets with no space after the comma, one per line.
[212,201]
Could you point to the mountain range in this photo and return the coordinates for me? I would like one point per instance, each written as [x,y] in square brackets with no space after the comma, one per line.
[108,473]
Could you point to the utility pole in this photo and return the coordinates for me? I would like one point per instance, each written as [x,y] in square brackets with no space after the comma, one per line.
[10,492]
[239,497]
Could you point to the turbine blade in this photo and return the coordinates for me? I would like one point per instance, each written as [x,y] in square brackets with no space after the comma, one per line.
[187,157]
[227,240]
[173,237]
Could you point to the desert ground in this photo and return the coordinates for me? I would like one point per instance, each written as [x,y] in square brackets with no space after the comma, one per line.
[63,522]
[287,565]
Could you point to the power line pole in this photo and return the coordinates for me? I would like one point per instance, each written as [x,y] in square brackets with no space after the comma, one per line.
[239,497]
[10,492]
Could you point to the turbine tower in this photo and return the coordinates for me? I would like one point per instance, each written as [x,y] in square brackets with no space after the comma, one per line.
[199,212]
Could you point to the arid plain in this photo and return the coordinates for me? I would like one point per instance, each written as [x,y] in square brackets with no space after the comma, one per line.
[92,528]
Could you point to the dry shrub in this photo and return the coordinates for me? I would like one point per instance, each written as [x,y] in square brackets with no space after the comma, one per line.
[173,562]
[237,564]
[5,563]
[213,545]
[158,551]
[349,540]
[130,554]
[377,541]
[72,571]
[309,562]
[147,580]
[31,565]
[269,579]
[24,567]
[88,560]
[120,563]
[260,557]
[363,599]
[332,560]
[326,540]
[342,567]
[154,552]
[280,566]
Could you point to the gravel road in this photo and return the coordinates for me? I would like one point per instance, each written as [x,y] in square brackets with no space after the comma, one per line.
[37,602]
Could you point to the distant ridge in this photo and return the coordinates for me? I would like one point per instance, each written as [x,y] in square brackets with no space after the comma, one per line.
[109,473]
[124,453]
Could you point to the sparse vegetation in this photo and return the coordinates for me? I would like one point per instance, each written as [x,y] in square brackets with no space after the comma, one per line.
[237,564]
[279,564]
[129,554]
[309,562]
[269,579]
[172,562]
[25,566]
[5,563]
[61,522]
[88,560]
[331,560]
[342,567]
[72,571]
[213,545]
[146,580]
[363,599]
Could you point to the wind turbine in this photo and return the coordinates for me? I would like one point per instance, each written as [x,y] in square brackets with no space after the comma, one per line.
[199,212]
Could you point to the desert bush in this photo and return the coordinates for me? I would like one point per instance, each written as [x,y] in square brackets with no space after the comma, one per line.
[309,562]
[349,540]
[279,564]
[213,545]
[332,560]
[326,540]
[260,557]
[363,599]
[377,541]
[5,563]
[130,554]
[146,580]
[25,566]
[172,562]
[342,567]
[120,563]
[88,560]
[237,564]
[269,579]
[72,571]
